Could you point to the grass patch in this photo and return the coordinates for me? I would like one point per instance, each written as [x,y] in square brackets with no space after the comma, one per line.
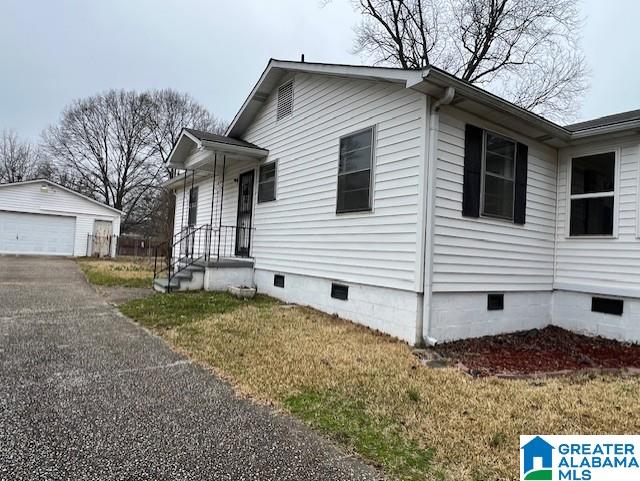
[370,393]
[497,439]
[117,272]
[179,309]
[379,439]
[414,395]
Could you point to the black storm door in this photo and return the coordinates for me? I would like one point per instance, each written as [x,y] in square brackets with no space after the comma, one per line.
[245,211]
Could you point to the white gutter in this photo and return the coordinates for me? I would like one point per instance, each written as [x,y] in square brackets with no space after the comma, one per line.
[423,324]
[605,129]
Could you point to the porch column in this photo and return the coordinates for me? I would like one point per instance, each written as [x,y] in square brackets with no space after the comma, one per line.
[213,196]
[224,165]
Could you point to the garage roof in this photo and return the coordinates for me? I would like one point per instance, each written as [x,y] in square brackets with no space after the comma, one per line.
[54,184]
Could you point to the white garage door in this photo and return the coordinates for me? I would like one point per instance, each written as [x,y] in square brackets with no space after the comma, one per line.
[36,234]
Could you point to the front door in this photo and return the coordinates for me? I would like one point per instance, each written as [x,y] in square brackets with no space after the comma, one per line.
[245,210]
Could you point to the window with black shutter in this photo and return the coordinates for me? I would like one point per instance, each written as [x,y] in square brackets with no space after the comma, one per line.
[267,182]
[495,176]
[498,176]
[193,206]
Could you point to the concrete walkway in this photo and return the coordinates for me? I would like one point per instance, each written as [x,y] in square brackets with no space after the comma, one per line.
[86,394]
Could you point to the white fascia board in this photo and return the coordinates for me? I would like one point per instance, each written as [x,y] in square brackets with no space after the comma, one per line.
[472,92]
[170,159]
[224,148]
[395,75]
[354,71]
[606,129]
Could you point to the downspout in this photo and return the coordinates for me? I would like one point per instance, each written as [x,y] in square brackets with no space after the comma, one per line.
[423,327]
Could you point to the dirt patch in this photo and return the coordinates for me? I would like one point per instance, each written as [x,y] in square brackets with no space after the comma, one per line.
[548,350]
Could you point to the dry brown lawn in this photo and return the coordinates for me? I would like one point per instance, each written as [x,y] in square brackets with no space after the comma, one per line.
[370,392]
[124,272]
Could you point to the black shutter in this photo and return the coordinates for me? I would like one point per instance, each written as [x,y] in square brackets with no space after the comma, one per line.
[472,171]
[520,201]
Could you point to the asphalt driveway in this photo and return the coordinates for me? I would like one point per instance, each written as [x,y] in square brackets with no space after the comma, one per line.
[86,394]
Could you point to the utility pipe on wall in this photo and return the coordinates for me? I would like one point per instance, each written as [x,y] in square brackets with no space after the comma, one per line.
[423,327]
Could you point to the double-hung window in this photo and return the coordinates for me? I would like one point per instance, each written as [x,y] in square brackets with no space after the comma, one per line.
[354,172]
[267,182]
[498,176]
[193,206]
[592,194]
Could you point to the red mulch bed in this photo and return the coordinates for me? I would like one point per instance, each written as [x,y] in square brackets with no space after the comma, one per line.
[548,350]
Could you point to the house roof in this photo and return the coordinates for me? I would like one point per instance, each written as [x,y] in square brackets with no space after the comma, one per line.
[222,139]
[66,189]
[432,81]
[607,120]
[210,143]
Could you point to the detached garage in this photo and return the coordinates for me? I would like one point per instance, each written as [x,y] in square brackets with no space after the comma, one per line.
[40,217]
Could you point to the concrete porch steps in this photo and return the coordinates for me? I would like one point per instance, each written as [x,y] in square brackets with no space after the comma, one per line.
[191,278]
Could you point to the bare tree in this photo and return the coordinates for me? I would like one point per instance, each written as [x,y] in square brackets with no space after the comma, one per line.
[113,147]
[18,158]
[106,142]
[525,50]
[174,110]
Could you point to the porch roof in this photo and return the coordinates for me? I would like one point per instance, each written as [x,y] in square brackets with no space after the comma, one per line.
[195,148]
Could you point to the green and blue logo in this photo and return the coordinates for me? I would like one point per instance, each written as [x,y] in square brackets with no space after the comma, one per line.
[580,458]
[537,460]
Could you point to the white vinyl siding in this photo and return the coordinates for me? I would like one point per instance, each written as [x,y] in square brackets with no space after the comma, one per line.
[609,265]
[300,231]
[484,254]
[229,206]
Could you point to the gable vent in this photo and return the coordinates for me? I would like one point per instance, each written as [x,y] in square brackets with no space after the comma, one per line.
[285,100]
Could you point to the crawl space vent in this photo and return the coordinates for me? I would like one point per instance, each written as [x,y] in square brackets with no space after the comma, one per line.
[285,100]
[278,280]
[495,302]
[607,306]
[339,291]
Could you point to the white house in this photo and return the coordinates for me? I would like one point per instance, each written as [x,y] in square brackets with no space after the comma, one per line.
[43,218]
[414,203]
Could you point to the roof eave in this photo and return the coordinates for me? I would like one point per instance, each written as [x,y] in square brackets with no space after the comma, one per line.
[394,75]
[234,149]
[606,129]
[490,100]
[55,184]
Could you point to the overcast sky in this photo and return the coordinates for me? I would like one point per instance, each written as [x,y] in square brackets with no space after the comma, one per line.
[53,51]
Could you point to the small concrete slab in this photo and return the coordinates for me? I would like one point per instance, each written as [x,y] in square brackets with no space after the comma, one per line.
[242,292]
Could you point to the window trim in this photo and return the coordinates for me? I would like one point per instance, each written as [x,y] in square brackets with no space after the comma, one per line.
[290,114]
[372,162]
[275,183]
[569,156]
[483,173]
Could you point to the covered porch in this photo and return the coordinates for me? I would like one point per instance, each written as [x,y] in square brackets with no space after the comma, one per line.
[214,181]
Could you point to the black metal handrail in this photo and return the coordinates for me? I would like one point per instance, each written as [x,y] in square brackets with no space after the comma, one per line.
[193,244]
